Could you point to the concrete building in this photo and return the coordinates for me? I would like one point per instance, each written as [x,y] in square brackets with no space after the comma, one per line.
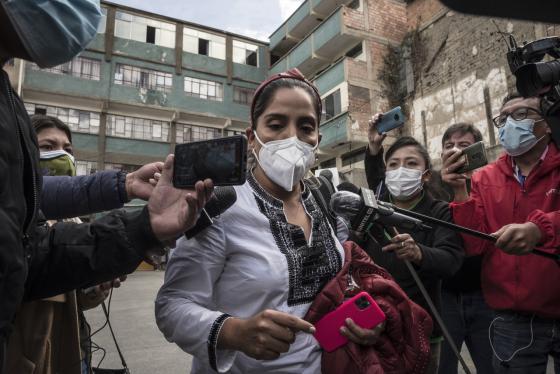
[144,84]
[148,82]
[340,45]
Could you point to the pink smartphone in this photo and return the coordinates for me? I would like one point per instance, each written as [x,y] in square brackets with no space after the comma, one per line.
[362,309]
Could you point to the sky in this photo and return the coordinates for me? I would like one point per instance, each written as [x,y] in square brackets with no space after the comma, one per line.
[253,18]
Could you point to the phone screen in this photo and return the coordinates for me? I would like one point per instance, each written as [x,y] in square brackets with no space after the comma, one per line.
[222,160]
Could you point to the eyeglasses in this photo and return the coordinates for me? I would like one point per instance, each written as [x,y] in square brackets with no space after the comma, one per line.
[519,114]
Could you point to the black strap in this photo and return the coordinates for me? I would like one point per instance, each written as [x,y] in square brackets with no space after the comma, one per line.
[322,189]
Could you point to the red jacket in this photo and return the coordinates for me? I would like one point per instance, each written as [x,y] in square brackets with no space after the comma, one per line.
[528,283]
[403,347]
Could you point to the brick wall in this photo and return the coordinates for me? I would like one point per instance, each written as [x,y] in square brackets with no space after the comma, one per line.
[465,75]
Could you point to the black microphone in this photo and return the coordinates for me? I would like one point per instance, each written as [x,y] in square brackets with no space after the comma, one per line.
[363,210]
[222,199]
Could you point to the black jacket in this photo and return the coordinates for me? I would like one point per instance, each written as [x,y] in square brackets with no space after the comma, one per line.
[442,249]
[45,261]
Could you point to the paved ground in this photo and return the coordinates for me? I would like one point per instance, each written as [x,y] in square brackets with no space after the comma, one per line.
[132,316]
[144,347]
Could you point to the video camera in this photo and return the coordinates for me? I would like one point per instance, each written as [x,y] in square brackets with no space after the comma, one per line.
[535,77]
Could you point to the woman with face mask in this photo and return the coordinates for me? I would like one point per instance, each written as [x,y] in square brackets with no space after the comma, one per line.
[437,253]
[234,296]
[51,335]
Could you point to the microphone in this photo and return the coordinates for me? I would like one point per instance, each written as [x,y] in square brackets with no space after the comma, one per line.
[363,209]
[222,199]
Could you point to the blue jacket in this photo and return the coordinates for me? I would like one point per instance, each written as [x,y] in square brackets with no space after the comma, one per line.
[65,197]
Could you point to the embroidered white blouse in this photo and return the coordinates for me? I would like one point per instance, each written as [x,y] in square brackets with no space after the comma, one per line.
[249,260]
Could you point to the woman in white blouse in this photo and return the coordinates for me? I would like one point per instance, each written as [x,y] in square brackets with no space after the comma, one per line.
[235,294]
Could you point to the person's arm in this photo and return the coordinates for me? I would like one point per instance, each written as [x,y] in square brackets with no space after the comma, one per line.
[183,306]
[65,197]
[471,213]
[374,165]
[68,256]
[445,255]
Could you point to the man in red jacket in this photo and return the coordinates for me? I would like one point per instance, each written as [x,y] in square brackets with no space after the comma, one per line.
[517,198]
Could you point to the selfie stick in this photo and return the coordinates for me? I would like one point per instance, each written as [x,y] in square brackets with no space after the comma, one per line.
[467,231]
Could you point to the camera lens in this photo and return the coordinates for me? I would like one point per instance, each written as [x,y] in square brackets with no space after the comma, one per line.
[362,303]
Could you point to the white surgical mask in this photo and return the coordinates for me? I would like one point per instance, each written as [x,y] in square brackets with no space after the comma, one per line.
[285,161]
[403,182]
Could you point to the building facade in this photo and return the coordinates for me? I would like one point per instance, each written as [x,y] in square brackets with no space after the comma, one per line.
[340,45]
[146,83]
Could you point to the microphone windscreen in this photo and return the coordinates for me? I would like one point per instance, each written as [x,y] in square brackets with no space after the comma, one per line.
[347,186]
[346,204]
[222,199]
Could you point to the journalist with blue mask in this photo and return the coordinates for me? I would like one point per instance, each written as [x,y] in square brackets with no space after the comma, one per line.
[34,257]
[401,175]
[517,198]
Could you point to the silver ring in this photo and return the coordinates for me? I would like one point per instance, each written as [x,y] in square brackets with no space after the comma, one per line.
[402,244]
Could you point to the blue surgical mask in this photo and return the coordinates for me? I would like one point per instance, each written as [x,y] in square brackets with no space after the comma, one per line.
[53,31]
[516,136]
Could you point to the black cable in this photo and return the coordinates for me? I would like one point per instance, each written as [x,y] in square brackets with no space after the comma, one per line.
[106,311]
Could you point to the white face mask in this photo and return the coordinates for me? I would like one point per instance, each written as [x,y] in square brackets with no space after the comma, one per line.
[403,182]
[285,161]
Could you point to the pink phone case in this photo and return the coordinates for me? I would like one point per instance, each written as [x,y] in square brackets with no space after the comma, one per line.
[328,328]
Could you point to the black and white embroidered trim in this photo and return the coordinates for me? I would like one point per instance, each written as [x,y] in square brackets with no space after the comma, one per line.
[310,267]
[213,340]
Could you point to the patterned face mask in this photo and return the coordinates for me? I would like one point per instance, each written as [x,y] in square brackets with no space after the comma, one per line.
[58,163]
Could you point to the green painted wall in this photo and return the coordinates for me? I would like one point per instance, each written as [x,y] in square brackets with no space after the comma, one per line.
[136,147]
[98,43]
[334,131]
[301,53]
[204,63]
[327,30]
[87,142]
[331,78]
[146,51]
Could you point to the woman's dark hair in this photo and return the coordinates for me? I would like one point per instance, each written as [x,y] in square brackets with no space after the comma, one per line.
[406,141]
[265,96]
[41,122]
[462,128]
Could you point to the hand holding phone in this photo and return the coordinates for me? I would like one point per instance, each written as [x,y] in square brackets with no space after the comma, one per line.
[223,160]
[391,120]
[363,311]
[474,156]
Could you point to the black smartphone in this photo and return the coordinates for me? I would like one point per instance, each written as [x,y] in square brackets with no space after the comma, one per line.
[474,156]
[223,160]
[390,120]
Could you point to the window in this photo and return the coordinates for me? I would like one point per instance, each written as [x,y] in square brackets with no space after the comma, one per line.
[137,128]
[357,52]
[203,43]
[242,95]
[191,133]
[356,4]
[328,163]
[146,30]
[233,132]
[85,167]
[134,76]
[331,106]
[245,53]
[80,67]
[78,120]
[103,22]
[203,89]
[353,157]
[127,168]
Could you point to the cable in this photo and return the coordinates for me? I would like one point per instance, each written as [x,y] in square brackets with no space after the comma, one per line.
[433,309]
[516,351]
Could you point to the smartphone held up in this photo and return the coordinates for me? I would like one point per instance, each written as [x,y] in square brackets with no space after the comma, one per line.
[390,120]
[223,160]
